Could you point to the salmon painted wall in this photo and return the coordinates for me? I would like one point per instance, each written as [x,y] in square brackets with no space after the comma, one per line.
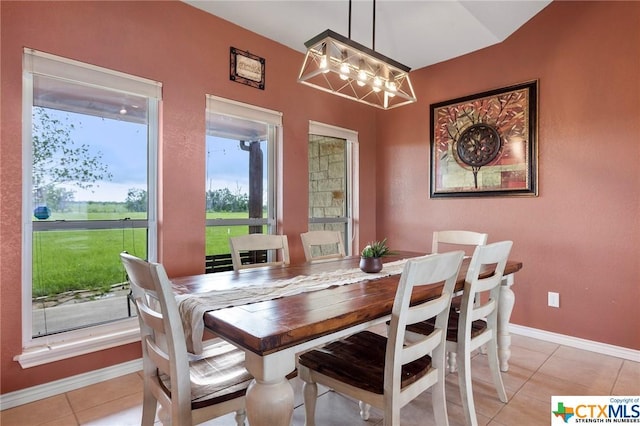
[581,236]
[188,51]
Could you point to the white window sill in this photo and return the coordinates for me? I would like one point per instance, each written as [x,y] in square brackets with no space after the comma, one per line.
[80,342]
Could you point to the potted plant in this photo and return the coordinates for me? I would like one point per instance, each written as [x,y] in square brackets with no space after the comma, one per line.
[370,257]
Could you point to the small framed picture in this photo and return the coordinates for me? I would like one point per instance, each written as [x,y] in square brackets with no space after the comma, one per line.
[247,68]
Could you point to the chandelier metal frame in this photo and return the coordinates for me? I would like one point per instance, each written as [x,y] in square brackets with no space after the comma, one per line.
[336,64]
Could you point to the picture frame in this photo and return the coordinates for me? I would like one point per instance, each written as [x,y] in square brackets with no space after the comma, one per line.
[485,144]
[247,68]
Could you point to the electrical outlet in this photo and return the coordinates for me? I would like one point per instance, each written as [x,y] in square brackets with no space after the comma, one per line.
[554,299]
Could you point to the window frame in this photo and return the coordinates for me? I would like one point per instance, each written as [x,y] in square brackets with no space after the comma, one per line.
[54,347]
[228,107]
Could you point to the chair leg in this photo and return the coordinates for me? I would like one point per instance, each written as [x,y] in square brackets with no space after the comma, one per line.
[494,366]
[438,395]
[365,410]
[466,389]
[391,413]
[164,416]
[452,362]
[149,407]
[310,394]
[240,417]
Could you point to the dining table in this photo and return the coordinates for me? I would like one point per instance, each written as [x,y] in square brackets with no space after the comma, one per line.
[273,332]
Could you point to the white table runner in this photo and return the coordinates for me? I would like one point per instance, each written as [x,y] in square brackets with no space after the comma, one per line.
[192,307]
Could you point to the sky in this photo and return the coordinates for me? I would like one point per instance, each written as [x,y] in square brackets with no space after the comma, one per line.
[123,147]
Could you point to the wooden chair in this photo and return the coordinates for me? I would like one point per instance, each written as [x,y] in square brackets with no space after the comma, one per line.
[476,324]
[190,389]
[321,245]
[259,242]
[384,372]
[442,239]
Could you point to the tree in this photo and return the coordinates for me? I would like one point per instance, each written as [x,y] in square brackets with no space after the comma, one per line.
[136,200]
[223,200]
[58,159]
[58,198]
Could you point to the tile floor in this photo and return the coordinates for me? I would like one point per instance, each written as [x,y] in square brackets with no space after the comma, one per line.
[537,371]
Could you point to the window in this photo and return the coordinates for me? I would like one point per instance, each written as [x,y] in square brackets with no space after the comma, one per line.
[241,143]
[332,165]
[89,192]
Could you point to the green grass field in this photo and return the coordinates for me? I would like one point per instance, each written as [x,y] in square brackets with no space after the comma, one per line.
[88,259]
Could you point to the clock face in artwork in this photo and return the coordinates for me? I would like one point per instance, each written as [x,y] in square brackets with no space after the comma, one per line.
[479,145]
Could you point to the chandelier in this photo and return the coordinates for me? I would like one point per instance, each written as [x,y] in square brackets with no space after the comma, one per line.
[339,65]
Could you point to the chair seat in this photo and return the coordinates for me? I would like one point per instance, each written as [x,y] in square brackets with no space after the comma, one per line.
[426,327]
[217,375]
[358,360]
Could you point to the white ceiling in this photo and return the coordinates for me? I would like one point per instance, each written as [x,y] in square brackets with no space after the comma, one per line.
[416,33]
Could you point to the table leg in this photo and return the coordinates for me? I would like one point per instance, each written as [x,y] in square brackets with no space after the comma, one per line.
[270,395]
[270,404]
[505,307]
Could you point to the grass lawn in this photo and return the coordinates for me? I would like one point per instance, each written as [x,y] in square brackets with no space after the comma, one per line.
[89,259]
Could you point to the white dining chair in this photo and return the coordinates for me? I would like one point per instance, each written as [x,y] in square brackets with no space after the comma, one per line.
[476,324]
[190,389]
[322,245]
[384,372]
[456,240]
[276,247]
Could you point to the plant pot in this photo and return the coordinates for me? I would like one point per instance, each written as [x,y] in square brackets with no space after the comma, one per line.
[371,264]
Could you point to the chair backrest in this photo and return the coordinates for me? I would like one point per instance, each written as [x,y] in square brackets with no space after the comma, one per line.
[427,270]
[163,343]
[484,258]
[456,238]
[258,242]
[320,245]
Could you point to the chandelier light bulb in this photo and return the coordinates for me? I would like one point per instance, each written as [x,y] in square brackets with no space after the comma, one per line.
[324,61]
[324,66]
[377,84]
[391,88]
[362,76]
[344,71]
[344,66]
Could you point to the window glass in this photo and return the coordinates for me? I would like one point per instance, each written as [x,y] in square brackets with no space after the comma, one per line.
[237,186]
[240,170]
[91,197]
[331,184]
[327,185]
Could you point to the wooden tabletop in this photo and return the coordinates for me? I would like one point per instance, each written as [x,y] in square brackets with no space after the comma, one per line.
[269,326]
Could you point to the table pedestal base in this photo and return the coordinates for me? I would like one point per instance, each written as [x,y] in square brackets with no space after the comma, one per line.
[270,404]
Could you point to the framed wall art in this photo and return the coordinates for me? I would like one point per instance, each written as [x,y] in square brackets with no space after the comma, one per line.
[485,144]
[246,68]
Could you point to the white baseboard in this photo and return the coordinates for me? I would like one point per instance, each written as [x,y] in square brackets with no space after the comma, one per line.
[24,396]
[35,393]
[576,342]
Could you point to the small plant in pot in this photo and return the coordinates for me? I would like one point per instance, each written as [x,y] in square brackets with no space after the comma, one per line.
[370,257]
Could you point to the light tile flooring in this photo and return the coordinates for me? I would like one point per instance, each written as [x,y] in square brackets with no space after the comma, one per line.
[537,371]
